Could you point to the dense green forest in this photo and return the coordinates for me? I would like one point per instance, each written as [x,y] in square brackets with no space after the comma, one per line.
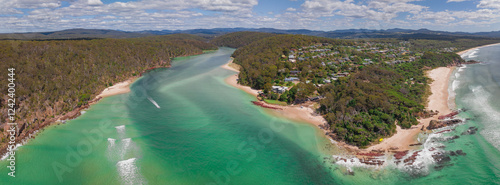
[54,77]
[364,106]
[239,39]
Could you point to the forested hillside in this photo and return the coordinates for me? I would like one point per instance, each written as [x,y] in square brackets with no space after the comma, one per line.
[54,77]
[261,60]
[364,107]
[239,39]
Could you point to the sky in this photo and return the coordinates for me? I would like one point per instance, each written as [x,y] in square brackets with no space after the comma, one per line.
[325,15]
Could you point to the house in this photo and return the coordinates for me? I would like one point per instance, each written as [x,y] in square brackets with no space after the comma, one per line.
[279,89]
[326,81]
[294,72]
[345,74]
[316,98]
[339,75]
[291,79]
[291,56]
[292,60]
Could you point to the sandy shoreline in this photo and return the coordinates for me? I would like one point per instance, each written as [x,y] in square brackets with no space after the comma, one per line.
[438,100]
[303,113]
[465,51]
[119,88]
[399,141]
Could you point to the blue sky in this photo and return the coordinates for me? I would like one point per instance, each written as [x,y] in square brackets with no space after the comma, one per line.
[135,15]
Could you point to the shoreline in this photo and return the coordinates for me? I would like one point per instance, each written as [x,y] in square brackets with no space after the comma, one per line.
[119,88]
[438,100]
[400,141]
[301,113]
[474,48]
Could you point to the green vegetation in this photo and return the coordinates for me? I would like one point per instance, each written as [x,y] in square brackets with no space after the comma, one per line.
[367,105]
[55,77]
[239,39]
[364,87]
[275,102]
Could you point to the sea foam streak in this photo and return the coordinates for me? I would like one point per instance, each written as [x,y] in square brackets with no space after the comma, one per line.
[129,172]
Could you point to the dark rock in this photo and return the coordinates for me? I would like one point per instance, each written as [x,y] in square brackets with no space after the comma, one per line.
[453,137]
[460,152]
[435,124]
[441,158]
[452,153]
[470,131]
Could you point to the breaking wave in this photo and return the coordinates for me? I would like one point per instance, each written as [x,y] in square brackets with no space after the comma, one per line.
[480,101]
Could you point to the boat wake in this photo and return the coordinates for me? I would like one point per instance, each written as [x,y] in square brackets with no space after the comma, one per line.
[154,102]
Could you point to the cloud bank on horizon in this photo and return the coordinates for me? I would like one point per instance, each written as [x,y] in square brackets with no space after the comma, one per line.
[135,15]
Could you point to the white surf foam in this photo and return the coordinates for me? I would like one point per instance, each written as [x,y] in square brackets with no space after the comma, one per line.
[124,147]
[129,172]
[491,117]
[6,155]
[111,142]
[472,54]
[455,84]
[111,149]
[354,162]
[121,130]
[462,68]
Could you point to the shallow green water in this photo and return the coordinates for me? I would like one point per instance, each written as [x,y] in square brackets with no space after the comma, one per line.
[184,125]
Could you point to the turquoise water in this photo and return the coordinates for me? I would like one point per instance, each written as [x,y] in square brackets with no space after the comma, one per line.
[185,125]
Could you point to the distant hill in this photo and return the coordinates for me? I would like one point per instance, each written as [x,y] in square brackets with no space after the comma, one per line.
[212,33]
[239,39]
[73,34]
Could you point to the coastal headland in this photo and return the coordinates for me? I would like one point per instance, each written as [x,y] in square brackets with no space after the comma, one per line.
[402,140]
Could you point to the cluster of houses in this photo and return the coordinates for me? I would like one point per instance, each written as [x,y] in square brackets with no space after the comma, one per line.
[393,54]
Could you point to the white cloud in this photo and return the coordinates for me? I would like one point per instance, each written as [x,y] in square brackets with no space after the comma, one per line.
[94,2]
[489,4]
[449,1]
[176,14]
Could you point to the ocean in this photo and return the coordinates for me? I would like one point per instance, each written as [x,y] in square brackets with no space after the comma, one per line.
[185,125]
